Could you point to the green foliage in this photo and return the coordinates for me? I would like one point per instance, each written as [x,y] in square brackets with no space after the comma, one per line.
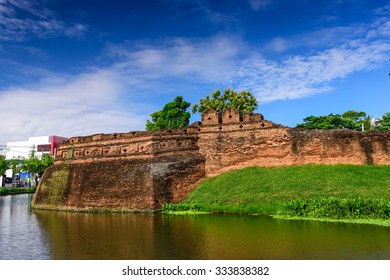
[4,165]
[348,120]
[173,115]
[385,122]
[354,120]
[335,191]
[5,191]
[56,186]
[36,167]
[322,122]
[15,164]
[170,207]
[243,101]
[336,208]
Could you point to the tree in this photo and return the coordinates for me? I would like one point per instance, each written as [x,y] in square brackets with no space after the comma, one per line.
[385,122]
[355,120]
[173,115]
[348,120]
[322,122]
[35,166]
[243,101]
[15,165]
[3,167]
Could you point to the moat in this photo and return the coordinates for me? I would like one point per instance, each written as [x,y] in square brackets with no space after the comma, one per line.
[40,234]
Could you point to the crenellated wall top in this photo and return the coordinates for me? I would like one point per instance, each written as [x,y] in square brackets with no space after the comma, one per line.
[143,143]
[229,116]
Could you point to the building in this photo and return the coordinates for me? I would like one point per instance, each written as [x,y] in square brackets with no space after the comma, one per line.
[41,144]
[23,149]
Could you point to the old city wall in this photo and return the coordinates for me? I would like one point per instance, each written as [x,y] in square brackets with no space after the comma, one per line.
[236,144]
[136,171]
[142,170]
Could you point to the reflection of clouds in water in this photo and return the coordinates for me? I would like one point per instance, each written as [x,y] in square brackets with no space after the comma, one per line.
[22,237]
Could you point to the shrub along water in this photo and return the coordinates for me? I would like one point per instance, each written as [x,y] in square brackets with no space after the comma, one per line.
[330,207]
[6,191]
[309,191]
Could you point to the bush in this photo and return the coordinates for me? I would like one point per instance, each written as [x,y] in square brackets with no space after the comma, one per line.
[5,191]
[330,207]
[181,207]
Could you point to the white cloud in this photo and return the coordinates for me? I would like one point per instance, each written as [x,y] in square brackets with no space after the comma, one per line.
[56,107]
[121,95]
[318,39]
[278,45]
[207,60]
[229,61]
[300,76]
[37,21]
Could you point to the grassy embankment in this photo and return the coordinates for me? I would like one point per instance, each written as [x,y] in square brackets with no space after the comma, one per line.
[323,192]
[7,191]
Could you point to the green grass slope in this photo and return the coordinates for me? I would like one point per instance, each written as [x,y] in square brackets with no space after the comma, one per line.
[309,191]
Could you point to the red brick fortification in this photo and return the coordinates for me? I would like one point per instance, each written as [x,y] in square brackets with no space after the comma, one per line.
[256,142]
[136,171]
[140,171]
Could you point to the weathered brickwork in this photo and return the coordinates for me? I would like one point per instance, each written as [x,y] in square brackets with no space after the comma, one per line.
[134,171]
[143,170]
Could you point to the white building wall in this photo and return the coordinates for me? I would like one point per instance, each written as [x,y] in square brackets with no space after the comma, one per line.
[22,149]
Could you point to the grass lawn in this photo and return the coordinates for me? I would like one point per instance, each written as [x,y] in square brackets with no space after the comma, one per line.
[309,191]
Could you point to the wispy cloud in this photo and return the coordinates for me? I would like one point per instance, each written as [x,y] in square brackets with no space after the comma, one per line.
[218,17]
[202,60]
[37,21]
[384,11]
[260,4]
[120,96]
[319,39]
[55,106]
[229,61]
[127,86]
[301,76]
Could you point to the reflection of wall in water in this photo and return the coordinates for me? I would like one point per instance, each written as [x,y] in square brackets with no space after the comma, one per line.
[77,236]
[135,236]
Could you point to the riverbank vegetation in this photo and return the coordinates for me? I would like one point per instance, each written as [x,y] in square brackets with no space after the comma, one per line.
[331,192]
[7,191]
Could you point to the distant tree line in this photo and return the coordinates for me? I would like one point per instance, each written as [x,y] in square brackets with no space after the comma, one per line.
[33,165]
[349,120]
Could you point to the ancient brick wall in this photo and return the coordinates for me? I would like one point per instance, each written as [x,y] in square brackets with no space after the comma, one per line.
[236,141]
[137,171]
[143,170]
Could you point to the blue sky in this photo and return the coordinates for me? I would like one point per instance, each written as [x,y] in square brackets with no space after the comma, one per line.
[129,58]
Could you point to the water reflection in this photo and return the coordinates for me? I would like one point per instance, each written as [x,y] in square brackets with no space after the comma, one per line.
[129,236]
[21,236]
[78,236]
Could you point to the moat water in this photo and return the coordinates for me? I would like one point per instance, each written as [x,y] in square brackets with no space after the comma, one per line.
[38,234]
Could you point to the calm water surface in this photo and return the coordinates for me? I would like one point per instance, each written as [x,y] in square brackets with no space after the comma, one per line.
[38,234]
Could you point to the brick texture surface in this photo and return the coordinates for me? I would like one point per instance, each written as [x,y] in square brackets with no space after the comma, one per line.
[143,170]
